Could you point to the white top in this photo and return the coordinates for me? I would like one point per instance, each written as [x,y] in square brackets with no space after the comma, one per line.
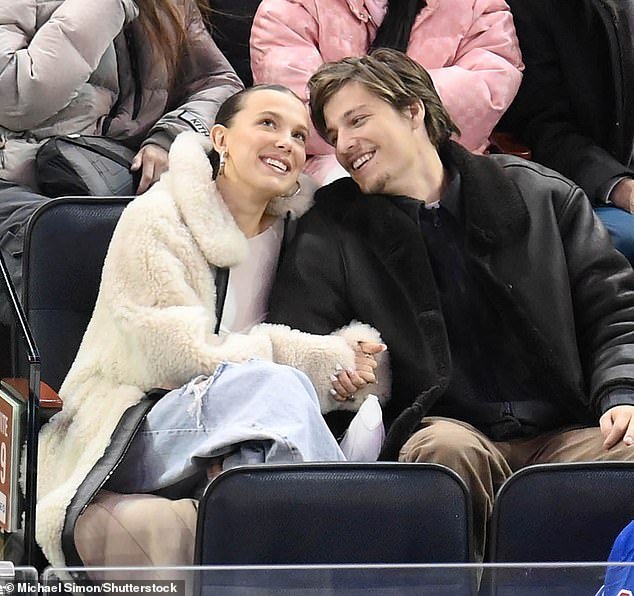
[250,282]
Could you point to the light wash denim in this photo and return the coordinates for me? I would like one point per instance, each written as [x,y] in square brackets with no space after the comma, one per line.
[254,412]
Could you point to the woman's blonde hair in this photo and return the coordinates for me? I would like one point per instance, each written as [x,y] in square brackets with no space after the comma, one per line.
[390,75]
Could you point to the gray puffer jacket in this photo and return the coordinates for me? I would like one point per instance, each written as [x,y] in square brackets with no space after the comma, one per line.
[85,66]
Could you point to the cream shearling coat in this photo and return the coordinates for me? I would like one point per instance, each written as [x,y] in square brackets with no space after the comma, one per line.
[153,326]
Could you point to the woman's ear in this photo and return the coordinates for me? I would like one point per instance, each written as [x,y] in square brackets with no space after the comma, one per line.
[218,137]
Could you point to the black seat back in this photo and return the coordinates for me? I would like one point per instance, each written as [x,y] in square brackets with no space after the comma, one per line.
[65,246]
[554,513]
[335,513]
[562,512]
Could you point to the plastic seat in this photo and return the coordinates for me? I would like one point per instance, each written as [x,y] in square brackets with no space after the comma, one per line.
[231,29]
[65,246]
[335,513]
[568,512]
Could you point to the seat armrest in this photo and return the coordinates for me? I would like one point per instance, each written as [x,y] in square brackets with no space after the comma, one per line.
[506,143]
[48,396]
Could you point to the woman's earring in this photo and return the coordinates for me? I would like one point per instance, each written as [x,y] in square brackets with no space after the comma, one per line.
[294,193]
[221,162]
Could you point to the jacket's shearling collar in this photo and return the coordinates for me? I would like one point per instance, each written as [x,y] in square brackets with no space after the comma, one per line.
[202,208]
[490,224]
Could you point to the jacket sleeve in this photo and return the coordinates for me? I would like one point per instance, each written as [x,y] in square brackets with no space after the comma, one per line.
[285,50]
[206,80]
[485,75]
[312,298]
[149,295]
[602,286]
[318,356]
[42,67]
[542,114]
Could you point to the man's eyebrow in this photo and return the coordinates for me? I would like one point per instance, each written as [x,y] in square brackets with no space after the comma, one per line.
[353,110]
[347,115]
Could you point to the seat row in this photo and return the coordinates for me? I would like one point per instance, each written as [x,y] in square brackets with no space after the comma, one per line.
[355,513]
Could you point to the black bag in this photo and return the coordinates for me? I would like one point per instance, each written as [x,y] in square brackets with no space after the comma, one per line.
[85,166]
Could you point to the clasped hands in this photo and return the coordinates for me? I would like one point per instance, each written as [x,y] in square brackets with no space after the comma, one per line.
[347,381]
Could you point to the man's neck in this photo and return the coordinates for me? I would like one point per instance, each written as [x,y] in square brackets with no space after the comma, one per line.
[430,180]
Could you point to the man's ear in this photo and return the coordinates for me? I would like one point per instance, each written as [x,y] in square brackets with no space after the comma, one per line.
[416,112]
[218,135]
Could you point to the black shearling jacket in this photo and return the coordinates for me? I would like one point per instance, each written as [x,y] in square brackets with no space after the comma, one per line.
[531,236]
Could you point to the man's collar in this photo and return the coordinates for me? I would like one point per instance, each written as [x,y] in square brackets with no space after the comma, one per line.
[450,198]
[494,210]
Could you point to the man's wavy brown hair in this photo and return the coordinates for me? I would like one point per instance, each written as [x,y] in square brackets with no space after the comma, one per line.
[390,75]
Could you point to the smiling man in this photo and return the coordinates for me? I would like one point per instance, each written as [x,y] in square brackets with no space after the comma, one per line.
[508,314]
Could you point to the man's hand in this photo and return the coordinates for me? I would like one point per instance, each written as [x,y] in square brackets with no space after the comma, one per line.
[152,161]
[622,195]
[346,381]
[618,424]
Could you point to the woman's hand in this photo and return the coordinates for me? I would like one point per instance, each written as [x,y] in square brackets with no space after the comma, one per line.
[346,382]
[152,161]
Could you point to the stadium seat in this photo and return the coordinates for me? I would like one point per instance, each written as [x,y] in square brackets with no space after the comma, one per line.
[335,513]
[569,512]
[65,246]
[230,25]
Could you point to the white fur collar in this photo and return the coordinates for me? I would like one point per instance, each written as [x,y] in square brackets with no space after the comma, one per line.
[202,208]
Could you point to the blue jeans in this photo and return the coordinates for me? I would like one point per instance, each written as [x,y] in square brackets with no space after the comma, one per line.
[620,225]
[254,412]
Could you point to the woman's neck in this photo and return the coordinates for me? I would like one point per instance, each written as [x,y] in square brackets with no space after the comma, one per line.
[246,206]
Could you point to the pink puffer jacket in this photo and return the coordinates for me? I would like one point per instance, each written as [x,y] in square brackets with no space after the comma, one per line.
[469,48]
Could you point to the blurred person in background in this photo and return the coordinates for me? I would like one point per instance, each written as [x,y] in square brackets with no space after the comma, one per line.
[139,72]
[469,48]
[575,107]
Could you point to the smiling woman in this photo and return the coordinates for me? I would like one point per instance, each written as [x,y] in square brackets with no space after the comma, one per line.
[260,138]
[184,294]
